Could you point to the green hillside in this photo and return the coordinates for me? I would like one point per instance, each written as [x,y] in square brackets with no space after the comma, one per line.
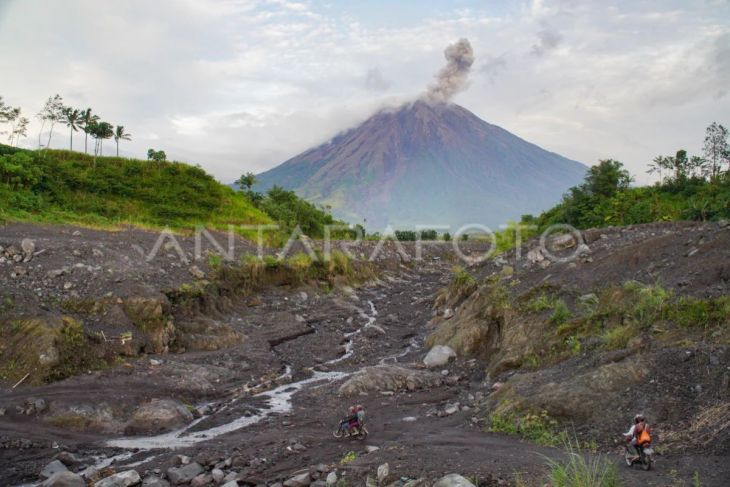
[60,186]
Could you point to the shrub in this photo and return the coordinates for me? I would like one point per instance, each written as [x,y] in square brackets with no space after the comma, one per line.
[561,314]
[536,427]
[579,471]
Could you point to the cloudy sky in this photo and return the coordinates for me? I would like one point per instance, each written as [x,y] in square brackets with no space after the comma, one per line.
[242,85]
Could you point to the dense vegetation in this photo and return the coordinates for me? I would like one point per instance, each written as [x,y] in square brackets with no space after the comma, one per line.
[65,186]
[690,188]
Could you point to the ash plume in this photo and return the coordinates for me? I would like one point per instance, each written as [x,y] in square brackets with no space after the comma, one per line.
[453,77]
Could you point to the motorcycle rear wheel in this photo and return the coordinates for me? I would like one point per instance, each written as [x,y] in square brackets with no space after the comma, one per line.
[338,433]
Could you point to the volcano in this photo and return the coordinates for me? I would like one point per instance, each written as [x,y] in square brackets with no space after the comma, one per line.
[427,164]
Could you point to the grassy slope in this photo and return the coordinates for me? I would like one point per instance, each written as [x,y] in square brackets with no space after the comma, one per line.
[59,186]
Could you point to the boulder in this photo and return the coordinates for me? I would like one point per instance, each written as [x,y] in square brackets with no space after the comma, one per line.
[28,247]
[389,378]
[183,475]
[331,480]
[121,479]
[453,480]
[383,472]
[301,480]
[439,356]
[155,481]
[158,416]
[202,480]
[64,479]
[52,468]
[232,483]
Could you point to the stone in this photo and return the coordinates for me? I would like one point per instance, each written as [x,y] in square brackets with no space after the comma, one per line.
[64,479]
[535,256]
[52,468]
[155,481]
[158,416]
[28,247]
[371,449]
[218,475]
[196,272]
[185,474]
[451,409]
[67,458]
[232,483]
[331,480]
[453,480]
[121,479]
[202,480]
[439,356]
[389,378]
[383,472]
[301,480]
[448,313]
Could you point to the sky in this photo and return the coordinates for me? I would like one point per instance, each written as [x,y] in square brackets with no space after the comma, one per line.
[243,85]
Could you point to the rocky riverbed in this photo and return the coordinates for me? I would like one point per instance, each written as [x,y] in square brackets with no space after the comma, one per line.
[262,410]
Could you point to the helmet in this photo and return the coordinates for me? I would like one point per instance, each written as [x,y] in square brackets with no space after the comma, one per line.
[638,418]
[360,408]
[353,409]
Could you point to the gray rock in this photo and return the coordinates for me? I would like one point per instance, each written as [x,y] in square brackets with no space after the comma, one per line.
[196,272]
[28,247]
[331,479]
[232,483]
[52,468]
[383,472]
[301,480]
[389,378]
[453,480]
[183,475]
[218,475]
[67,458]
[121,479]
[158,416]
[371,449]
[64,479]
[202,480]
[439,356]
[155,481]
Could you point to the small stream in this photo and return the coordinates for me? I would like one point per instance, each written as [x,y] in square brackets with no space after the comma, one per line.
[278,400]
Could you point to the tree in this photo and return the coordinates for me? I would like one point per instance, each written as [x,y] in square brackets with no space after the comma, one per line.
[9,115]
[716,149]
[21,129]
[658,165]
[606,179]
[156,155]
[99,131]
[51,113]
[87,119]
[72,119]
[120,134]
[246,181]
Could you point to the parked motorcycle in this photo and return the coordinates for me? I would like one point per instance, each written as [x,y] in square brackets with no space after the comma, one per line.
[353,429]
[645,458]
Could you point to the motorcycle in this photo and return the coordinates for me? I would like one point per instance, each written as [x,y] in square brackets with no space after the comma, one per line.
[645,457]
[353,429]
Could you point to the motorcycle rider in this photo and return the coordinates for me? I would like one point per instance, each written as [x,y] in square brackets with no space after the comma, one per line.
[634,435]
[355,419]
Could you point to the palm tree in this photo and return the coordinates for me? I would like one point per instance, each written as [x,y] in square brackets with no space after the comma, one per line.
[87,120]
[120,134]
[106,131]
[72,119]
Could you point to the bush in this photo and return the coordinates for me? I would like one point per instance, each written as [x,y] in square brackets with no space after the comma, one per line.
[561,313]
[579,471]
[538,428]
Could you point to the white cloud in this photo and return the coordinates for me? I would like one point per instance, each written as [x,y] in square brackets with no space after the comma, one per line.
[241,85]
